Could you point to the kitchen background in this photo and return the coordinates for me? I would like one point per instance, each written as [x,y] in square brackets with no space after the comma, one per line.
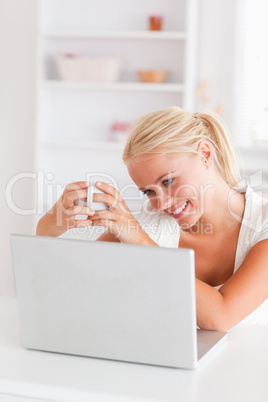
[58,122]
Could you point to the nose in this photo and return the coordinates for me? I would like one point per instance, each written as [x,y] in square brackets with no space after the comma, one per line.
[162,203]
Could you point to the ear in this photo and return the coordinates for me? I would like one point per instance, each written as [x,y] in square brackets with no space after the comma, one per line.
[206,153]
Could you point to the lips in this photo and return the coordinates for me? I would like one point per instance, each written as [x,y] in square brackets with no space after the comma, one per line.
[177,213]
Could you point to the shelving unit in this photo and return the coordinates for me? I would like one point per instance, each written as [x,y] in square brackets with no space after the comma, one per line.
[120,86]
[154,35]
[74,118]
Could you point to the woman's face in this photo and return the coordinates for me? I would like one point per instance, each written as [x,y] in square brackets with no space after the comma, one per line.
[179,185]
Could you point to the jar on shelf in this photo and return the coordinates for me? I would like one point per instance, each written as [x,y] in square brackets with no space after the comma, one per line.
[155,22]
[120,131]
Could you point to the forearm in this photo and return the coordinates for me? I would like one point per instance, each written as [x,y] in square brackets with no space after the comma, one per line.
[147,241]
[138,236]
[46,227]
[41,228]
[210,307]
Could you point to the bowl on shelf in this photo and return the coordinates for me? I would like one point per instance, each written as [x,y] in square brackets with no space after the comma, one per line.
[89,69]
[153,75]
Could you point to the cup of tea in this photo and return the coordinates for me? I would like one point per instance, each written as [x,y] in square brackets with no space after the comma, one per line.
[96,206]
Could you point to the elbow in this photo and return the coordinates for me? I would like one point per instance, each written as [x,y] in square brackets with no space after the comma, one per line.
[215,326]
[215,323]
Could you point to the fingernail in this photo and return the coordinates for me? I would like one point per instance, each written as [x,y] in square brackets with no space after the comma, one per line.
[98,183]
[87,183]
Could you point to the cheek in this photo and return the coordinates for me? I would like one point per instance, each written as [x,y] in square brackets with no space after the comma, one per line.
[192,185]
[160,198]
[155,200]
[153,203]
[186,191]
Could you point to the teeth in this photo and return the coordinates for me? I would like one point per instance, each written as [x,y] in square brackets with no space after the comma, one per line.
[178,211]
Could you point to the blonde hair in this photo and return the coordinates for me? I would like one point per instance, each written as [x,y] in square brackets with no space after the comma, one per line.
[175,130]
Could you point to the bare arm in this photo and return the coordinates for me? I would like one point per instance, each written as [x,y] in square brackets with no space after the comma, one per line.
[108,236]
[61,217]
[244,291]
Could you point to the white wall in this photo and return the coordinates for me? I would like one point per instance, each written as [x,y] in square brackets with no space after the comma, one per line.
[217,64]
[215,59]
[17,108]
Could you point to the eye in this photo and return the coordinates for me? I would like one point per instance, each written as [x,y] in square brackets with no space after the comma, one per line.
[167,182]
[147,192]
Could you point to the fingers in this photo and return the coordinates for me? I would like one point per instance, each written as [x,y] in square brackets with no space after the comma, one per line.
[107,199]
[108,189]
[74,191]
[106,215]
[113,203]
[77,186]
[76,223]
[108,224]
[72,195]
[78,210]
[78,191]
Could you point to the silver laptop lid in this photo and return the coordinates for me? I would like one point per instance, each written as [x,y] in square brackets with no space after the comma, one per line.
[107,300]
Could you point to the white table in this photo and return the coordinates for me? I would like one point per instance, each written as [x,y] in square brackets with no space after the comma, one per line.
[236,371]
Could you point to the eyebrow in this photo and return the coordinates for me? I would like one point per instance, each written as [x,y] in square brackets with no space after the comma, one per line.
[159,178]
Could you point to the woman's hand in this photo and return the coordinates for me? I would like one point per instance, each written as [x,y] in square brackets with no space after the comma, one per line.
[118,218]
[61,217]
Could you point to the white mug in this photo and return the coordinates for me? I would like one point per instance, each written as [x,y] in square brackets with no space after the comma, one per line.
[96,206]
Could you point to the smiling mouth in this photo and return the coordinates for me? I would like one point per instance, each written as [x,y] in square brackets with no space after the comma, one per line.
[179,210]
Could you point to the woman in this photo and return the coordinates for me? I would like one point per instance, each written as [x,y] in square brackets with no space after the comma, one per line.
[185,165]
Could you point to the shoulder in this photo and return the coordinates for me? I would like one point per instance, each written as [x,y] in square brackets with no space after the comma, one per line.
[162,228]
[254,226]
[255,220]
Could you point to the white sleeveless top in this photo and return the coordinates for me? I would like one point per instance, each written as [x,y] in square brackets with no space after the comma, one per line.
[164,230]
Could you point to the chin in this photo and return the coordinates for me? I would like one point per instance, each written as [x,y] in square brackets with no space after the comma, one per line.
[187,224]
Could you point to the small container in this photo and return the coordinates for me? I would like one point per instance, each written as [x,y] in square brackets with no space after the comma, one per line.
[153,75]
[155,22]
[120,131]
[89,69]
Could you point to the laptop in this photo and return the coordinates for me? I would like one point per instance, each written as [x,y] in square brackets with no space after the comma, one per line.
[116,301]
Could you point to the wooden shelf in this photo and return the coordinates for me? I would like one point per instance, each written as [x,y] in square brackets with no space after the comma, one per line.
[151,35]
[118,86]
[83,145]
